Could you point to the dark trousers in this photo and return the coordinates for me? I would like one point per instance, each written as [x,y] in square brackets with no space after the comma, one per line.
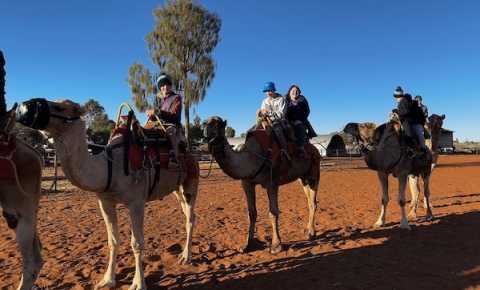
[300,133]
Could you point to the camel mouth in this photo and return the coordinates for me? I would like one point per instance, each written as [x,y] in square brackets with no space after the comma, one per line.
[34,113]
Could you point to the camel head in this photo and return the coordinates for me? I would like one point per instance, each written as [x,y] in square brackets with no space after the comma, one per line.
[214,133]
[54,118]
[361,132]
[435,122]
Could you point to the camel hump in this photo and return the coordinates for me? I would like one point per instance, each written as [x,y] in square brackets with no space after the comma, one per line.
[388,149]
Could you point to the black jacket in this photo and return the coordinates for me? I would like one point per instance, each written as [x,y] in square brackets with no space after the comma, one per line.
[299,110]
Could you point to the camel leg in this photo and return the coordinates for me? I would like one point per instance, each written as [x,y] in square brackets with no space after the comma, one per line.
[311,193]
[109,213]
[137,242]
[187,201]
[426,189]
[415,191]
[249,189]
[402,184]
[30,247]
[383,177]
[274,213]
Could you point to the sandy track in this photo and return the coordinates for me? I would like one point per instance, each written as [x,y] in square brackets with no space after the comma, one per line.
[348,253]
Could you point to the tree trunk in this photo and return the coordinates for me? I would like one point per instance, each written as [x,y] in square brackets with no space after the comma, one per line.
[187,121]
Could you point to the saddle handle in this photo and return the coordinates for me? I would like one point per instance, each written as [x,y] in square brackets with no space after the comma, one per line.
[159,122]
[120,109]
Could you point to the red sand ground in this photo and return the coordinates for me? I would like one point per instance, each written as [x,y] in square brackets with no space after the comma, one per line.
[348,253]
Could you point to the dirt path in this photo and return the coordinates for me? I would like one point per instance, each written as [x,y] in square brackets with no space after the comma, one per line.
[348,253]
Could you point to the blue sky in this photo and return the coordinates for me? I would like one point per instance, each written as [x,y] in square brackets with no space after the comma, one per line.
[347,56]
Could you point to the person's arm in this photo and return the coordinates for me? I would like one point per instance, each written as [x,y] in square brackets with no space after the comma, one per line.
[173,115]
[306,108]
[282,108]
[403,109]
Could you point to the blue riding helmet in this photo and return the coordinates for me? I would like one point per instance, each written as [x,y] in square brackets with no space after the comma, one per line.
[269,87]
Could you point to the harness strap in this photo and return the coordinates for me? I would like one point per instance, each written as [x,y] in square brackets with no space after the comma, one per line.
[157,173]
[126,143]
[108,150]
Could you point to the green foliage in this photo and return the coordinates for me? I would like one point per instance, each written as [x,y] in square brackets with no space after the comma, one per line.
[196,130]
[99,125]
[181,44]
[229,132]
[142,86]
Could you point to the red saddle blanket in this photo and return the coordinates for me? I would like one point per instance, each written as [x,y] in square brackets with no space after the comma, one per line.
[267,143]
[7,167]
[151,154]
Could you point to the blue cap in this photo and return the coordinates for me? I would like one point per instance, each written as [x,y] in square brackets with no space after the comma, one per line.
[269,87]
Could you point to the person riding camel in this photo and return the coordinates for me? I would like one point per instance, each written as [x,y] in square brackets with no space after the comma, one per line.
[424,109]
[168,108]
[412,123]
[274,107]
[297,115]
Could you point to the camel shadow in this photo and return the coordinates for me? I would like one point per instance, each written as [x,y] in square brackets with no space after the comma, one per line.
[444,254]
[457,165]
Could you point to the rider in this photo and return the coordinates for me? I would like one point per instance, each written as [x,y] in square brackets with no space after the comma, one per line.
[168,108]
[424,109]
[411,125]
[274,107]
[297,114]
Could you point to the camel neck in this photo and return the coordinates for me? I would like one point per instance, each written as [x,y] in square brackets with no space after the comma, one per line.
[83,170]
[241,164]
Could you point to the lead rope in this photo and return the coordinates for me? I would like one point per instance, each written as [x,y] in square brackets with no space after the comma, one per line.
[209,169]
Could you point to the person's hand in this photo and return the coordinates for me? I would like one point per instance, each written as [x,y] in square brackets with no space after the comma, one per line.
[150,112]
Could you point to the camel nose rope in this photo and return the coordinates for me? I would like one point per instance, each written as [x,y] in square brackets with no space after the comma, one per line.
[209,169]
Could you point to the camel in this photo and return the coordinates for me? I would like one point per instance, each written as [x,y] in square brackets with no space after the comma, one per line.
[251,165]
[435,123]
[61,120]
[20,195]
[384,153]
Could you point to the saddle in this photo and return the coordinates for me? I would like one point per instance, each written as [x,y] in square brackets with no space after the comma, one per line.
[147,146]
[271,150]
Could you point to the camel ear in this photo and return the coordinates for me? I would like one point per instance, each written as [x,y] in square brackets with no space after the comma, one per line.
[224,123]
[352,129]
[443,116]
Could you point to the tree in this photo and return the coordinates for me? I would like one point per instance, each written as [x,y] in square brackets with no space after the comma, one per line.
[196,130]
[229,132]
[99,125]
[181,44]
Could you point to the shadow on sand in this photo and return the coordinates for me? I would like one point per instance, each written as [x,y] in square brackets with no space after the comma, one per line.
[457,165]
[441,255]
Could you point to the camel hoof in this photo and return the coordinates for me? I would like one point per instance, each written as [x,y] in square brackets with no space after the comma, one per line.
[252,245]
[105,284]
[183,260]
[137,287]
[379,224]
[276,249]
[311,237]
[429,218]
[405,226]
